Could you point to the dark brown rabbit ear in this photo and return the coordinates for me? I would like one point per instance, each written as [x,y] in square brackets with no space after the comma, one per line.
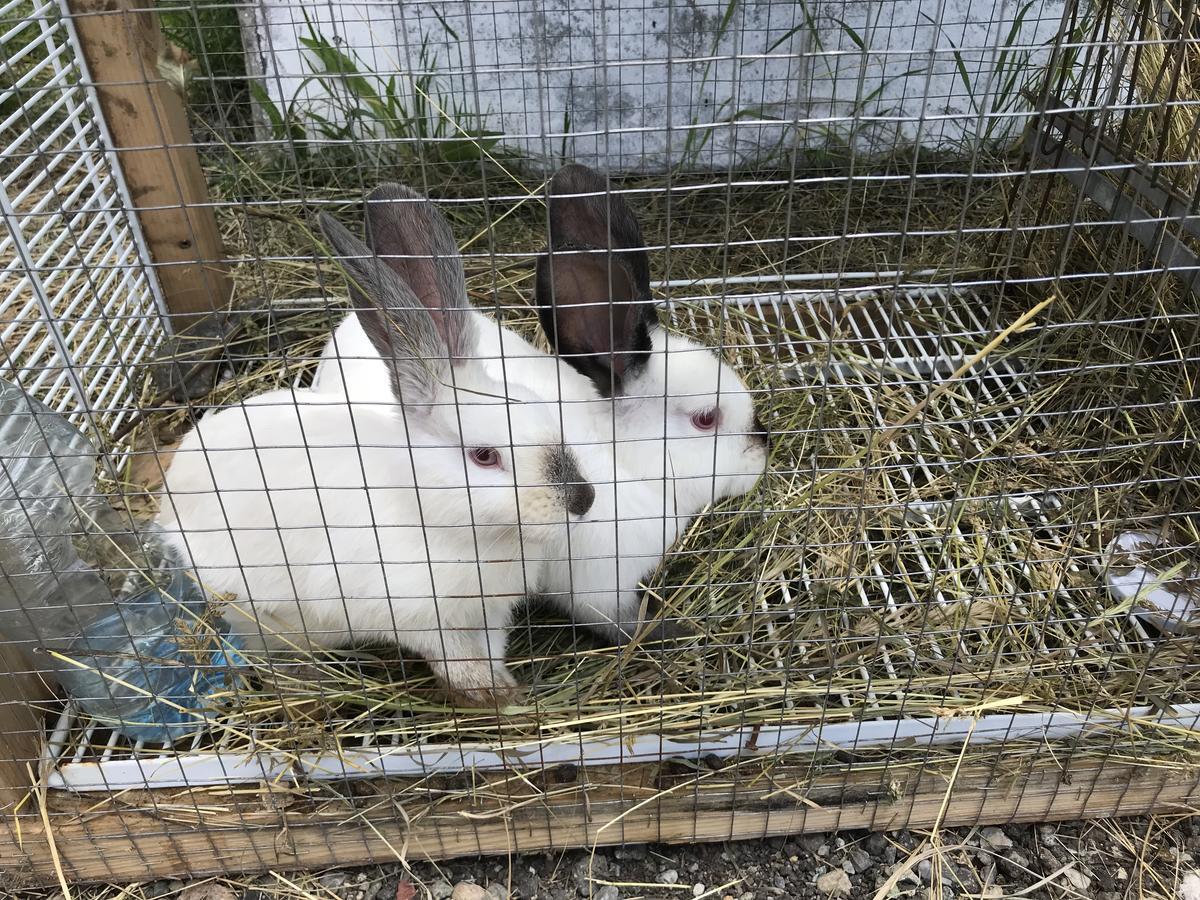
[412,237]
[593,287]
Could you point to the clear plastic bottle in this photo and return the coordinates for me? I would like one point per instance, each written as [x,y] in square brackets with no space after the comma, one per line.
[110,611]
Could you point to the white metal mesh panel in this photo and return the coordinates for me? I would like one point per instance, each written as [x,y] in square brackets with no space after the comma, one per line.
[78,308]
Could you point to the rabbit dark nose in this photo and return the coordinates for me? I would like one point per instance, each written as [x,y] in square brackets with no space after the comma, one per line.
[578,494]
[758,431]
[580,498]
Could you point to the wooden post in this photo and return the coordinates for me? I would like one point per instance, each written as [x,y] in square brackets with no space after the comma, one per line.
[122,45]
[20,726]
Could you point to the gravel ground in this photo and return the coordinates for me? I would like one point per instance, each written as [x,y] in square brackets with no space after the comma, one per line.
[1146,859]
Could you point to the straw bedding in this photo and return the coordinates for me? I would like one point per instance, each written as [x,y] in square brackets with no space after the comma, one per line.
[831,593]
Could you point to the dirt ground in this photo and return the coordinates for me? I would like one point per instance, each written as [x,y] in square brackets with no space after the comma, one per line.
[1132,859]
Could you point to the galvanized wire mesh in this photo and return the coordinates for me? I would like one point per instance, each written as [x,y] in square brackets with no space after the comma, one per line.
[947,246]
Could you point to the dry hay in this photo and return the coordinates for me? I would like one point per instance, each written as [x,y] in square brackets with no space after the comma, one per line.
[816,597]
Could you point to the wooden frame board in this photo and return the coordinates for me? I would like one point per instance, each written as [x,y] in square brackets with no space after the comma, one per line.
[212,832]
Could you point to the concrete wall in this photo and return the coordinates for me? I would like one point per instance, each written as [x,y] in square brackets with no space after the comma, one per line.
[622,84]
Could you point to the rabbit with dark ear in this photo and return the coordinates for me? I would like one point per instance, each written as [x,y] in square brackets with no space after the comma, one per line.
[660,425]
[334,522]
[682,423]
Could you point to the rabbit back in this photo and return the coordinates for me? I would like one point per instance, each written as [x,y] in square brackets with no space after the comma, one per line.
[320,543]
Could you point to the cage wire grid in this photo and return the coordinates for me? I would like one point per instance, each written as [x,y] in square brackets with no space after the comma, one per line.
[931,612]
[79,313]
[900,358]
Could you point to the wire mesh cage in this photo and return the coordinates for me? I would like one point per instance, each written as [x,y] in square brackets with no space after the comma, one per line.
[941,254]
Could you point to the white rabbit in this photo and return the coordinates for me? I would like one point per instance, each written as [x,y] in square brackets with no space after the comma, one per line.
[682,423]
[335,522]
[661,426]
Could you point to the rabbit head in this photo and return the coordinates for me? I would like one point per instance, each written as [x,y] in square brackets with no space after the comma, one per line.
[679,407]
[465,428]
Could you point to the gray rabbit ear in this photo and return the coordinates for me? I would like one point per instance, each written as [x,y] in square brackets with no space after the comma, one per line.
[400,328]
[413,238]
[593,287]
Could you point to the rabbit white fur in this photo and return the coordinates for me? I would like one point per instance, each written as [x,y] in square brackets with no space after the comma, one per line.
[335,522]
[661,426]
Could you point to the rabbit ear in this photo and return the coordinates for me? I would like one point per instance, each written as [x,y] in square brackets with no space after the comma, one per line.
[413,238]
[400,328]
[593,287]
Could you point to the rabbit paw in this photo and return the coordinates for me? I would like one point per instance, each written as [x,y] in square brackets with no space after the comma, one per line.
[480,686]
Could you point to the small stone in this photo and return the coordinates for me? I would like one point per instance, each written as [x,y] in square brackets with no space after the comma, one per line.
[861,859]
[748,895]
[630,851]
[811,842]
[1078,880]
[333,881]
[991,892]
[876,843]
[589,867]
[925,871]
[1014,864]
[848,868]
[996,839]
[698,889]
[498,891]
[464,890]
[360,878]
[1122,875]
[669,876]
[823,851]
[528,885]
[441,890]
[835,883]
[607,892]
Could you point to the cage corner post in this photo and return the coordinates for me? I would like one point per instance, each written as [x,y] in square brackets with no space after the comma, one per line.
[20,727]
[121,43]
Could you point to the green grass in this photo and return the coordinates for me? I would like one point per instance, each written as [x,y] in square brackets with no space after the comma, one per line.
[209,30]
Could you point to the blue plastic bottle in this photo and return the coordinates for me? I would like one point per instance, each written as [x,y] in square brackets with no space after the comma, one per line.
[110,611]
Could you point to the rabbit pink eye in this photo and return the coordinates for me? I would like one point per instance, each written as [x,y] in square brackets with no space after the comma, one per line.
[485,457]
[705,420]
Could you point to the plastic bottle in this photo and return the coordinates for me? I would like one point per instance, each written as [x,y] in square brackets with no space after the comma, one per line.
[111,612]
